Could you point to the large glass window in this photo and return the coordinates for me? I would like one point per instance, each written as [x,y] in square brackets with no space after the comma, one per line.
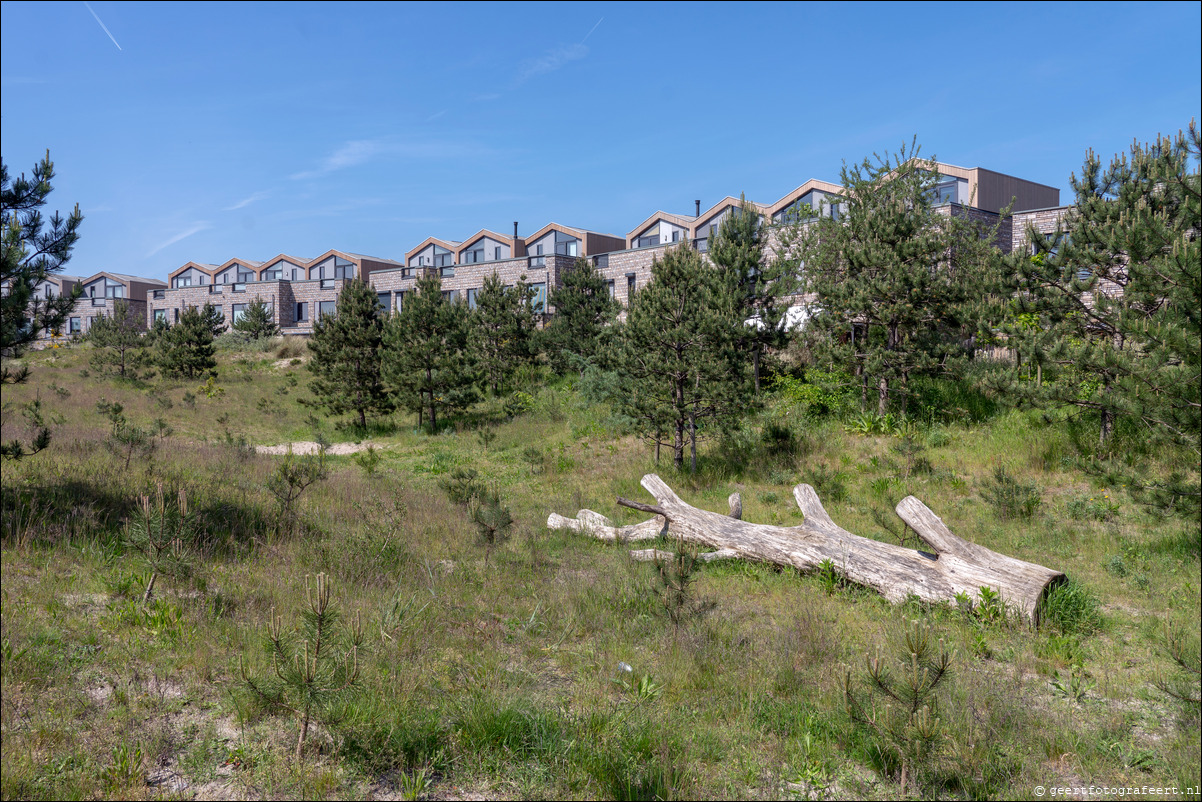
[160,316]
[400,301]
[327,308]
[302,312]
[384,300]
[473,256]
[647,242]
[471,299]
[566,244]
[245,274]
[496,253]
[113,290]
[539,302]
[273,274]
[343,268]
[73,325]
[237,312]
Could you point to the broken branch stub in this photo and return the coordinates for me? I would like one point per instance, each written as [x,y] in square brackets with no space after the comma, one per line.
[953,566]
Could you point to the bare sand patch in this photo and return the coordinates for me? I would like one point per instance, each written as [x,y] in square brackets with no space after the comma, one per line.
[303,447]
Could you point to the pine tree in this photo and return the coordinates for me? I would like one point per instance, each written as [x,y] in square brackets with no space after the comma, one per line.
[186,349]
[676,356]
[30,256]
[346,360]
[213,319]
[1107,310]
[256,322]
[899,287]
[583,314]
[427,360]
[118,342]
[761,283]
[504,330]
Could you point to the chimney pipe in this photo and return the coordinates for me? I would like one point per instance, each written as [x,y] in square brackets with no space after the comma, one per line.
[698,202]
[515,229]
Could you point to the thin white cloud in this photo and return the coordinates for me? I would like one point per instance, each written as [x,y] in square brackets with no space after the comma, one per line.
[195,228]
[102,25]
[247,201]
[361,151]
[436,115]
[550,61]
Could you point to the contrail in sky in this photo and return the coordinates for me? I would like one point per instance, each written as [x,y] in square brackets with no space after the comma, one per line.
[586,36]
[106,30]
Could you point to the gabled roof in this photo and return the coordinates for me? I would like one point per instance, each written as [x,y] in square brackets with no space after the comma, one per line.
[549,227]
[294,260]
[123,278]
[450,245]
[484,232]
[358,257]
[207,269]
[718,207]
[813,183]
[675,219]
[247,263]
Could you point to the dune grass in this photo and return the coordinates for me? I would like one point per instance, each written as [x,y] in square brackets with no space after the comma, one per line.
[551,670]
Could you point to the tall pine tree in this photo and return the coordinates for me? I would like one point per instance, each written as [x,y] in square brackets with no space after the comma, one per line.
[118,343]
[186,349]
[898,287]
[256,322]
[31,254]
[1108,310]
[759,281]
[583,314]
[346,361]
[428,360]
[676,358]
[504,330]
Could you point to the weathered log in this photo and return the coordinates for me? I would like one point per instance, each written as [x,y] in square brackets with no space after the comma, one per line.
[953,566]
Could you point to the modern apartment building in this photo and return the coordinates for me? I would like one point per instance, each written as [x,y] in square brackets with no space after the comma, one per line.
[298,289]
[101,294]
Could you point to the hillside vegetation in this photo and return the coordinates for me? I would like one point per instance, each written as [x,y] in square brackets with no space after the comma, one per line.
[545,664]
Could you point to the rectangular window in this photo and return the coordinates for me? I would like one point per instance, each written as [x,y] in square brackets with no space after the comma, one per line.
[49,290]
[609,287]
[538,251]
[400,301]
[236,312]
[601,261]
[496,253]
[73,325]
[160,316]
[647,242]
[295,272]
[471,299]
[630,285]
[273,275]
[446,272]
[302,312]
[245,275]
[384,299]
[176,316]
[474,256]
[327,308]
[539,302]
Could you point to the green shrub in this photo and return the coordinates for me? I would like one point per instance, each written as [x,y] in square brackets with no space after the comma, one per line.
[1010,498]
[1098,507]
[1070,608]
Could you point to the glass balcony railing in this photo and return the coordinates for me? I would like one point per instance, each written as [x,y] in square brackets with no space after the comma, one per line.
[99,301]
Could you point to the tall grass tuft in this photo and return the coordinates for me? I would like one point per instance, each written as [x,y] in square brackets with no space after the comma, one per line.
[1070,608]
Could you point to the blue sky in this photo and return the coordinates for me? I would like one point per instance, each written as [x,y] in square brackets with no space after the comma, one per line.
[213,130]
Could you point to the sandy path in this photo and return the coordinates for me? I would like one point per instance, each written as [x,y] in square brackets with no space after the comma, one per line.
[309,447]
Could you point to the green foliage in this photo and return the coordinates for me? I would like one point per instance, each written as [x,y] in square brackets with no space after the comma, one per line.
[38,425]
[428,360]
[256,322]
[186,349]
[1106,311]
[164,534]
[676,575]
[119,345]
[908,723]
[821,394]
[503,330]
[1009,497]
[347,363]
[125,439]
[680,374]
[462,487]
[311,677]
[31,256]
[1094,507]
[1071,609]
[584,314]
[492,519]
[292,476]
[898,286]
[368,460]
[1184,646]
[760,284]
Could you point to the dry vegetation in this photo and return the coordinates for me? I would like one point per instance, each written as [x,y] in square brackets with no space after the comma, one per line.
[551,670]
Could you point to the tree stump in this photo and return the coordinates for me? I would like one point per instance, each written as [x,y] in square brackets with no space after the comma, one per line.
[952,566]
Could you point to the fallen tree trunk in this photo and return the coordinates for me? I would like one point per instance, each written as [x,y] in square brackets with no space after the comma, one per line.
[952,566]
